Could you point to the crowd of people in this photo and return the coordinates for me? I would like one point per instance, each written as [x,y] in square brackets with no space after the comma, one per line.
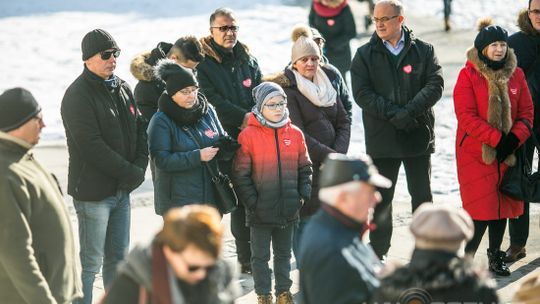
[202,108]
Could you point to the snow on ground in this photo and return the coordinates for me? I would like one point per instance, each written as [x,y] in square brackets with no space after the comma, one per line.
[40,49]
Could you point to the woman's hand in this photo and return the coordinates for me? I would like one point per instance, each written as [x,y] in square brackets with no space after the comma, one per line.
[208,153]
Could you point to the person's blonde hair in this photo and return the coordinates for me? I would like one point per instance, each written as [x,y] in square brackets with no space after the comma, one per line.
[197,225]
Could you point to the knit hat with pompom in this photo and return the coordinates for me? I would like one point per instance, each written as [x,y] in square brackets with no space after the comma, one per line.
[488,33]
[303,43]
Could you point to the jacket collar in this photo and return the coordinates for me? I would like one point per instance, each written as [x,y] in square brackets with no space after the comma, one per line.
[422,257]
[524,24]
[408,34]
[346,221]
[240,50]
[15,140]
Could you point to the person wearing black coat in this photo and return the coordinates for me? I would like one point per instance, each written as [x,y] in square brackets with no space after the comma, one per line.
[226,76]
[335,21]
[108,154]
[396,80]
[526,45]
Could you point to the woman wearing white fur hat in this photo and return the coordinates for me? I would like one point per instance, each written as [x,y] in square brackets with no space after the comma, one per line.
[315,107]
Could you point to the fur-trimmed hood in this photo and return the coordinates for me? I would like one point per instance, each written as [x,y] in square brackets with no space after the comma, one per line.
[208,49]
[524,24]
[499,112]
[140,69]
[280,78]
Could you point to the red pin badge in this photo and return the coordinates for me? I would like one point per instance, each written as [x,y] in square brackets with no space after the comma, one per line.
[330,22]
[247,82]
[407,69]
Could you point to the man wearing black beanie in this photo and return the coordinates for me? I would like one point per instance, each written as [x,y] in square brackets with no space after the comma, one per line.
[39,259]
[108,154]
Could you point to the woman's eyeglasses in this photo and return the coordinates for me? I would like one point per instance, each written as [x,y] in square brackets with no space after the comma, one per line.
[105,55]
[226,28]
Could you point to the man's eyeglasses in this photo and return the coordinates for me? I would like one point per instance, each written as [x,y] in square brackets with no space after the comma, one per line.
[383,19]
[226,28]
[187,92]
[105,55]
[534,12]
[275,106]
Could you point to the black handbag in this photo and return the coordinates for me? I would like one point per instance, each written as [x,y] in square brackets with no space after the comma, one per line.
[226,198]
[519,182]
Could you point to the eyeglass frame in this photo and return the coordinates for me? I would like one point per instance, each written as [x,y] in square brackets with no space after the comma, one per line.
[194,268]
[274,106]
[384,19]
[106,55]
[227,28]
[185,93]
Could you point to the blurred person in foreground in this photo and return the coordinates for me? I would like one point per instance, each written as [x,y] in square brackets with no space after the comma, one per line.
[337,267]
[182,264]
[437,271]
[529,290]
[38,259]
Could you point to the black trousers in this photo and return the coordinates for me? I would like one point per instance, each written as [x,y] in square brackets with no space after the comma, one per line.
[496,233]
[418,173]
[519,227]
[447,8]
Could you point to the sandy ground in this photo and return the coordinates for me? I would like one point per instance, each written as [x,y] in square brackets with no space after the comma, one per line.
[450,48]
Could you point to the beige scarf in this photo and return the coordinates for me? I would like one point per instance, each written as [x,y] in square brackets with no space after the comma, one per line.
[319,91]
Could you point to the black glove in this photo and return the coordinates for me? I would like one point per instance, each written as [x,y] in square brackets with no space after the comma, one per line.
[506,146]
[403,121]
[227,147]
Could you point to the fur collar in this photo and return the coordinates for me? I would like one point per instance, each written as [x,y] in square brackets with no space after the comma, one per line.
[524,24]
[499,113]
[141,70]
[279,78]
[208,50]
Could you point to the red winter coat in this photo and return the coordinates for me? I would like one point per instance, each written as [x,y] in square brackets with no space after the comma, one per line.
[272,173]
[477,138]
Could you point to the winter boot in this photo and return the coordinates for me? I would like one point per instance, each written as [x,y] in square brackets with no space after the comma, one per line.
[264,299]
[285,298]
[447,24]
[497,265]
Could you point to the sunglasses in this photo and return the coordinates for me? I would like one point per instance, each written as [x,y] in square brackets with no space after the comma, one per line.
[105,55]
[275,106]
[195,268]
[226,28]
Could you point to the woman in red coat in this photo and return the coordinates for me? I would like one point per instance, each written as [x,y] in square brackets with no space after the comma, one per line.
[491,100]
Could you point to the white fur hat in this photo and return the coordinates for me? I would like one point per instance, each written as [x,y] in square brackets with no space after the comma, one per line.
[303,43]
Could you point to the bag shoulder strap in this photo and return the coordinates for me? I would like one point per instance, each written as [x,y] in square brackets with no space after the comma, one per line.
[533,136]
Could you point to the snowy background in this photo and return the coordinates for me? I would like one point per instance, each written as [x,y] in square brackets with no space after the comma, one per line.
[40,48]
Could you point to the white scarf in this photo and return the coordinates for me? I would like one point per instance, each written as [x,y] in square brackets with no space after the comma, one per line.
[319,91]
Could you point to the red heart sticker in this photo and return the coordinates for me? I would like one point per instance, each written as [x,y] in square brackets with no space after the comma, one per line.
[407,69]
[209,133]
[330,22]
[247,82]
[132,109]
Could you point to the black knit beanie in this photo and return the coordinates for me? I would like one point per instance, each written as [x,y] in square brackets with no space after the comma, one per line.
[159,52]
[176,77]
[488,35]
[17,106]
[97,41]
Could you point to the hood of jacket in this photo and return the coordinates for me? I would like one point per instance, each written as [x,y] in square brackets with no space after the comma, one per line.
[499,113]
[208,49]
[279,78]
[140,69]
[524,24]
[253,121]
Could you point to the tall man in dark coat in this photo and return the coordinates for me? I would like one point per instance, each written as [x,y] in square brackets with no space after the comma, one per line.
[396,80]
[38,259]
[226,76]
[337,267]
[108,154]
[526,45]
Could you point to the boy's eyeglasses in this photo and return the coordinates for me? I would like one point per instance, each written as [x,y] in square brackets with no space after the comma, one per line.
[226,28]
[275,106]
[105,55]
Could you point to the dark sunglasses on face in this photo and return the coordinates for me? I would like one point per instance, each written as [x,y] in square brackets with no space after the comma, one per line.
[195,268]
[105,55]
[226,28]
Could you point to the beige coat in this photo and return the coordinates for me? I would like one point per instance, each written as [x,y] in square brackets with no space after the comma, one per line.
[38,260]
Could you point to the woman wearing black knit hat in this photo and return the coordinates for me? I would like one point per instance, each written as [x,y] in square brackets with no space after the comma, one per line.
[181,139]
[492,101]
